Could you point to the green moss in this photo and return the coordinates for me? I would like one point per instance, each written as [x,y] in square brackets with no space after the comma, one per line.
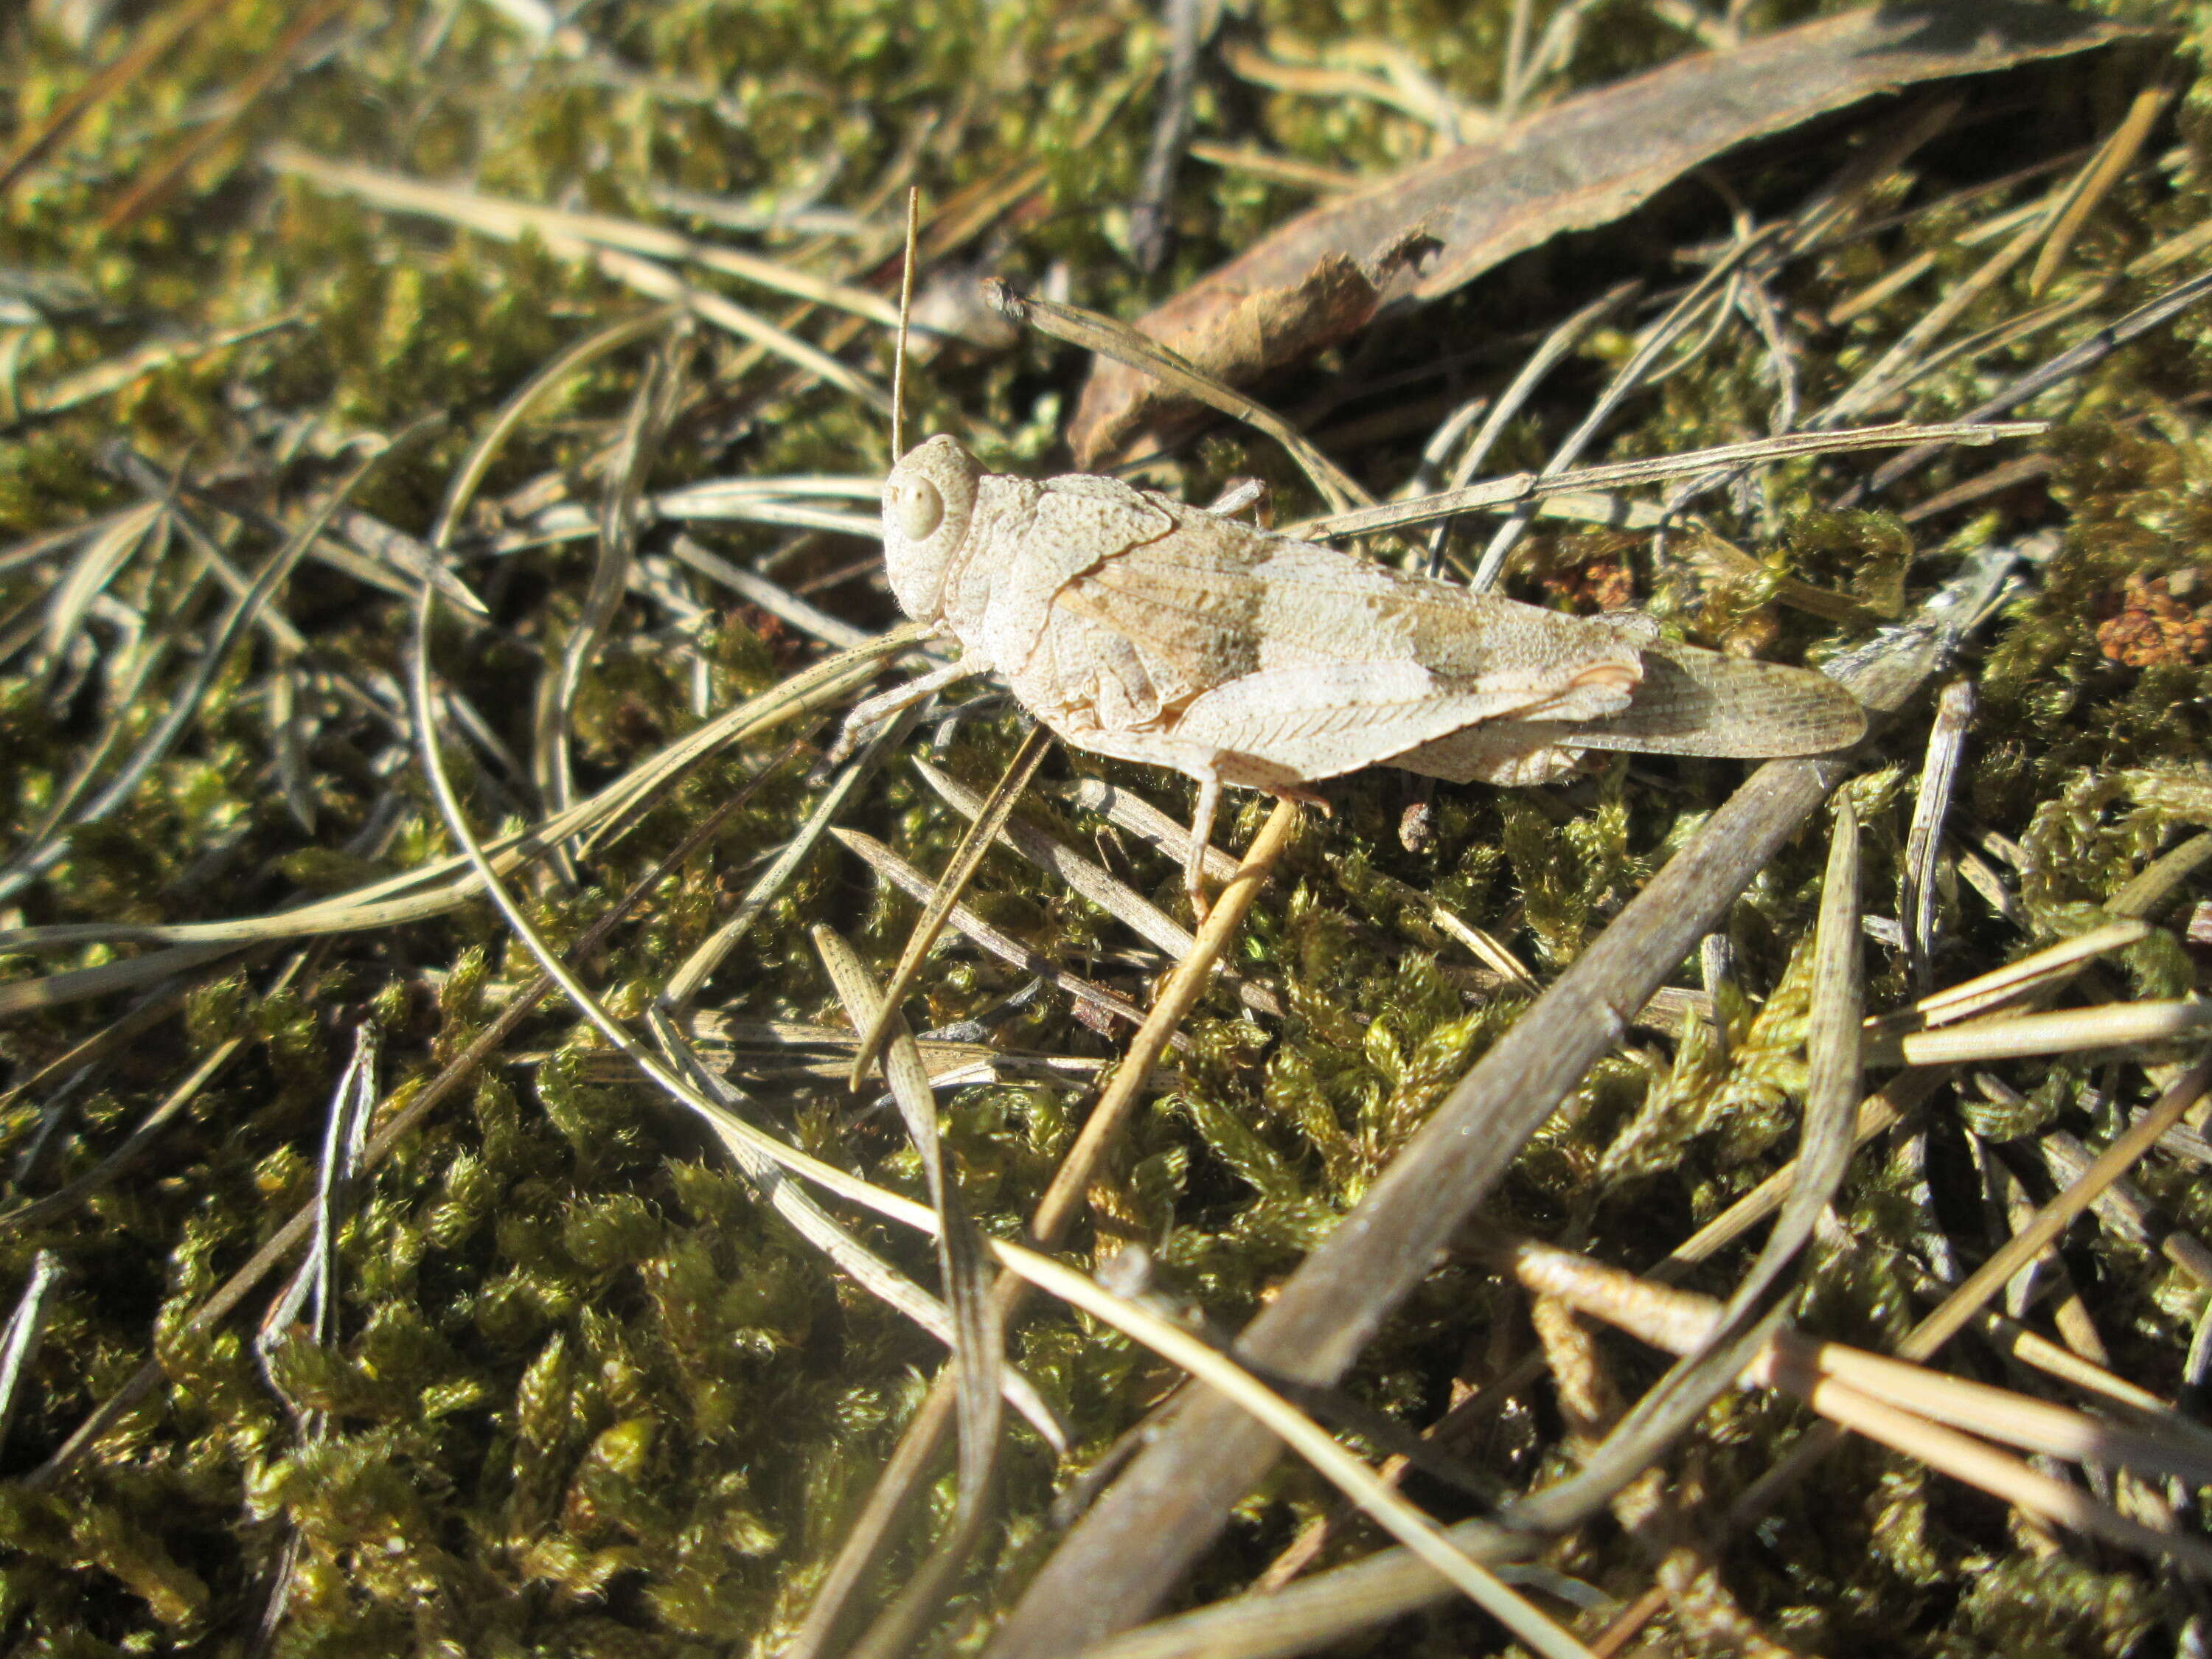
[588,1394]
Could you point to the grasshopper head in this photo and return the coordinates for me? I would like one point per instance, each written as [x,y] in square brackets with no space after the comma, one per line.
[927,501]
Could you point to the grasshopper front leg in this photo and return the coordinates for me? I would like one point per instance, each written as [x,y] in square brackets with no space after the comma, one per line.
[876,710]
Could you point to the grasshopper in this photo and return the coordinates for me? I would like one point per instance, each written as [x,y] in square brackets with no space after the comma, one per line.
[1135,625]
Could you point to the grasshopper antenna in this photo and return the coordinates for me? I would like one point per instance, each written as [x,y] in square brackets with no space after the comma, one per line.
[906,307]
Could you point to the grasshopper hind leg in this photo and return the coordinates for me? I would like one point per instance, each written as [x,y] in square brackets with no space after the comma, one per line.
[1201,837]
[1202,832]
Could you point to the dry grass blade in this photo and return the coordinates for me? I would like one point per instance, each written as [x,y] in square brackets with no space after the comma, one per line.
[1280,169]
[1964,1458]
[43,846]
[213,553]
[789,1199]
[469,477]
[116,375]
[343,1136]
[52,543]
[379,554]
[1177,993]
[724,1123]
[919,887]
[1514,488]
[101,557]
[785,606]
[2110,1026]
[2172,251]
[1678,1320]
[2156,884]
[785,1053]
[1998,338]
[53,1082]
[1151,234]
[625,1389]
[1817,1371]
[1487,948]
[184,701]
[1093,882]
[2076,360]
[1931,806]
[652,407]
[2169,1444]
[2038,1353]
[977,1357]
[2113,158]
[1890,283]
[967,858]
[25,1329]
[1658,340]
[772,500]
[655,281]
[398,1123]
[638,273]
[717,502]
[1967,1300]
[2040,970]
[1556,347]
[438,886]
[156,38]
[2127,1213]
[138,1142]
[838,1244]
[1895,366]
[1993,481]
[684,985]
[1897,1099]
[1836,209]
[314,1287]
[50,991]
[1125,344]
[507,220]
[152,186]
[1383,1505]
[2039,973]
[1146,821]
[960,1254]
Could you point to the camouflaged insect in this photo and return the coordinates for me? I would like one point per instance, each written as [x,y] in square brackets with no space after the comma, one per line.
[1137,626]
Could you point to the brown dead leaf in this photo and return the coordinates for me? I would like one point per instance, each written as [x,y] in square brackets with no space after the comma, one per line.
[1238,334]
[1582,162]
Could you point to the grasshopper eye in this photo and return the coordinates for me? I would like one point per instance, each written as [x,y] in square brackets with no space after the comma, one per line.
[916,508]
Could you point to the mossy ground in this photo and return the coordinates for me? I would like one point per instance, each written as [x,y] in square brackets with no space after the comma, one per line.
[589,1395]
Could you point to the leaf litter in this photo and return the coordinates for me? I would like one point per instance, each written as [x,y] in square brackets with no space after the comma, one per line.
[552,1320]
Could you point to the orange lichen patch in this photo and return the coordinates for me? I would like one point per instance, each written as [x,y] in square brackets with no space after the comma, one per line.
[2157,625]
[1600,584]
